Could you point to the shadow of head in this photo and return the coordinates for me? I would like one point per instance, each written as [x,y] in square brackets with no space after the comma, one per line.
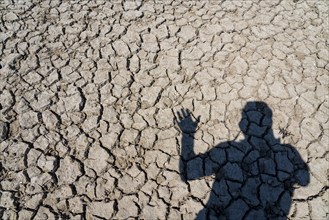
[256,119]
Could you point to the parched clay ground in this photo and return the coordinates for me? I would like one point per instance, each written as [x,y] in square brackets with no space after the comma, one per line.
[89,90]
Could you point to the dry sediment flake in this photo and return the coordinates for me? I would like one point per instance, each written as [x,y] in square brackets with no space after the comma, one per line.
[89,92]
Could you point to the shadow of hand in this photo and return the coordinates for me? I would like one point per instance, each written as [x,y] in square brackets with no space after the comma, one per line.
[185,121]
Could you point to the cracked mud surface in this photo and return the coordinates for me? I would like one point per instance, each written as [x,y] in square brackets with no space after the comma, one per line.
[89,91]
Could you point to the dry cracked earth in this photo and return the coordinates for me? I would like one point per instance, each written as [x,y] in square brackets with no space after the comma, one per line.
[99,106]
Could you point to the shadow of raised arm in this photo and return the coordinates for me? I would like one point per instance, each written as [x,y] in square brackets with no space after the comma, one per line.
[188,125]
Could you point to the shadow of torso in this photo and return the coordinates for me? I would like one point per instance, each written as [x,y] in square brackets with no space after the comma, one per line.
[252,179]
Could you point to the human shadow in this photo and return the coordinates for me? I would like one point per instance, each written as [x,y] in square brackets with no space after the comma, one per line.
[254,177]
